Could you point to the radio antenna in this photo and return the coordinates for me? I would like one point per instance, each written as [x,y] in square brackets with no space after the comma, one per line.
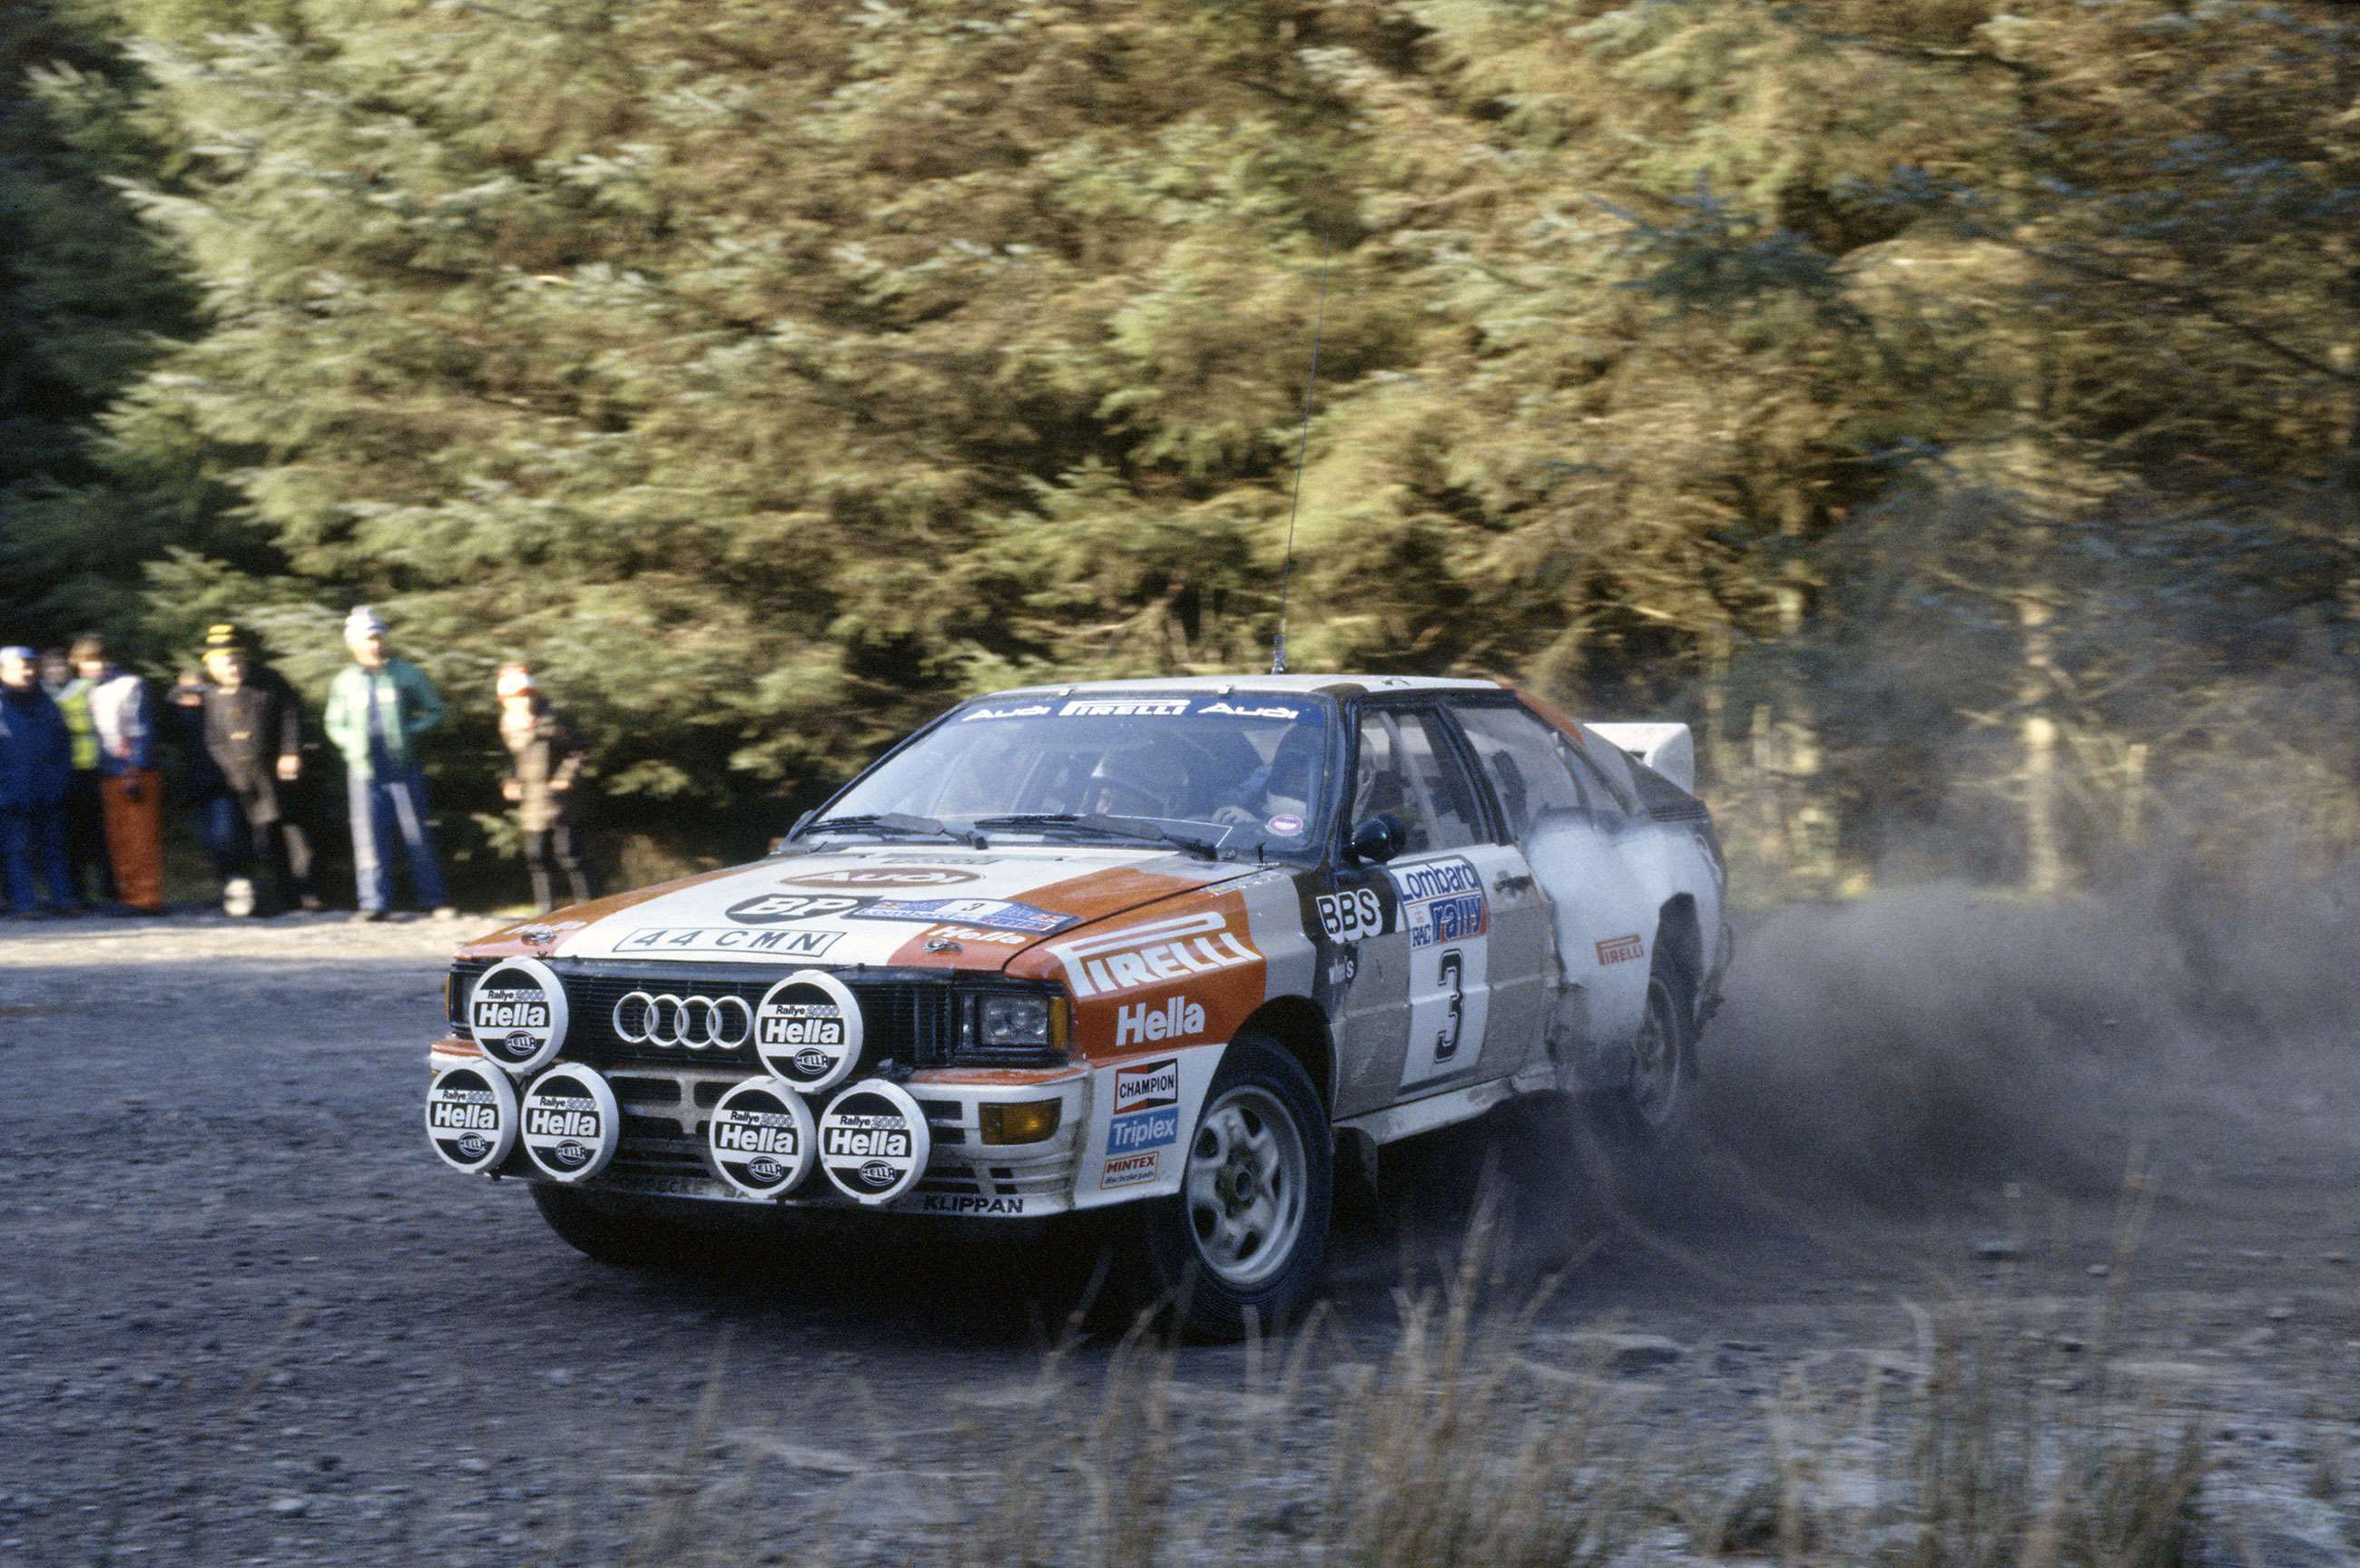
[1302,446]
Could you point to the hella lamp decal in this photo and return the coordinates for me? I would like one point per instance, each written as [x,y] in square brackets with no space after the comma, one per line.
[471,1118]
[517,1013]
[873,1141]
[807,1030]
[762,1138]
[570,1122]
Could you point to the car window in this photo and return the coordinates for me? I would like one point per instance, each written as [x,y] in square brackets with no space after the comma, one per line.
[1437,772]
[1382,782]
[1602,759]
[1379,783]
[1403,768]
[1244,769]
[1529,763]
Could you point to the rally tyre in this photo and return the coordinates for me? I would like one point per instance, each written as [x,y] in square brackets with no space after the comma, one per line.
[1653,1110]
[1244,1240]
[624,1240]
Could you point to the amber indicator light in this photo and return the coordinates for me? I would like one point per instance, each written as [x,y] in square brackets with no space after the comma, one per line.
[1027,1121]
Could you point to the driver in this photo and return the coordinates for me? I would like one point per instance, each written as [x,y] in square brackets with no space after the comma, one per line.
[1277,799]
[1126,782]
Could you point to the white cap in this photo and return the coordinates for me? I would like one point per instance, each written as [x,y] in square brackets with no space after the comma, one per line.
[363,622]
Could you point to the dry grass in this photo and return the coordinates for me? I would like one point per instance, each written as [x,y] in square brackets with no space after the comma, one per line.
[2007,1468]
[1998,1449]
[1439,1453]
[1462,1442]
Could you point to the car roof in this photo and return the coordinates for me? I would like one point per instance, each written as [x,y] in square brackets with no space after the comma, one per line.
[1329,685]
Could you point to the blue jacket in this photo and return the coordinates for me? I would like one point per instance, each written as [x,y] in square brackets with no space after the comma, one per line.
[35,751]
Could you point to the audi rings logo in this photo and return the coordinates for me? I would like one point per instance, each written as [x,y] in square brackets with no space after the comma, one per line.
[696,1023]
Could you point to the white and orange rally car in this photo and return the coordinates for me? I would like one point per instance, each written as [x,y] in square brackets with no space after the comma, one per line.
[1171,945]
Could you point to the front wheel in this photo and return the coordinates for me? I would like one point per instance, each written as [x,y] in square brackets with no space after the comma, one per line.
[1244,1239]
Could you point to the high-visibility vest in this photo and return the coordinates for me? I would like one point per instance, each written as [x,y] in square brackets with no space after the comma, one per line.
[74,703]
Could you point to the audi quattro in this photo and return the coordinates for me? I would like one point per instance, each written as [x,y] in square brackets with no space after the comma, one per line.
[1161,949]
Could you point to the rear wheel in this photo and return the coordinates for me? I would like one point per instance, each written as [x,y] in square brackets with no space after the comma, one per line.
[1244,1239]
[1653,1109]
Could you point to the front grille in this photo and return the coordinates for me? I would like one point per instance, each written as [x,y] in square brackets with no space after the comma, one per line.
[899,1021]
[655,1148]
[904,1018]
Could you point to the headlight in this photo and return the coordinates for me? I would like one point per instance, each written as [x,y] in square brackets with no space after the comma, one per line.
[1013,1029]
[1016,1020]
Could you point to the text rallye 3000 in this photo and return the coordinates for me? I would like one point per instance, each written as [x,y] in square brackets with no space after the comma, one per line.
[1141,955]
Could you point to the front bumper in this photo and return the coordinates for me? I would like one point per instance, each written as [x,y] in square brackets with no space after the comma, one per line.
[666,1113]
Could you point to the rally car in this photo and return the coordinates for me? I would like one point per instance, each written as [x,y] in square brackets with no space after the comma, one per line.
[1153,954]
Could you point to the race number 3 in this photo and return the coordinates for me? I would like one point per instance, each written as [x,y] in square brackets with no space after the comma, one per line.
[1453,975]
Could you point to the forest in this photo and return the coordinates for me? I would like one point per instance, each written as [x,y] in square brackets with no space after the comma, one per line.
[1951,409]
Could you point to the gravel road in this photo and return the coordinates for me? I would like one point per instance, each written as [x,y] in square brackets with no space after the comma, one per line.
[250,1318]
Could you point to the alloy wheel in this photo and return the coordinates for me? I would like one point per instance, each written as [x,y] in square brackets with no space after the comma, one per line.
[1246,1184]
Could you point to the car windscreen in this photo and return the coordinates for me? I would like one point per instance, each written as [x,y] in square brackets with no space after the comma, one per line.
[1242,771]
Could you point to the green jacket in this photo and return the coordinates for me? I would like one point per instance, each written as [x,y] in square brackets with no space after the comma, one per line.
[399,693]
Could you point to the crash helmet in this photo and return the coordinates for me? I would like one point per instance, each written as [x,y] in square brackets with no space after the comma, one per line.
[1287,788]
[1126,781]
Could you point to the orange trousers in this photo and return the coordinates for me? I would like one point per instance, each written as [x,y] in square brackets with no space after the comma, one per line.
[134,803]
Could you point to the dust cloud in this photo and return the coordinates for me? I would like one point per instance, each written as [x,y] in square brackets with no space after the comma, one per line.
[1887,1048]
[1923,1049]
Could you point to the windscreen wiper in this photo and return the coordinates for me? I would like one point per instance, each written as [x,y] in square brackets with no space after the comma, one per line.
[893,824]
[1102,825]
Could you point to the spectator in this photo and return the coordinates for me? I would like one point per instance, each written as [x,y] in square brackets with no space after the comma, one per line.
[57,671]
[199,782]
[131,790]
[252,731]
[544,763]
[378,708]
[35,772]
[85,816]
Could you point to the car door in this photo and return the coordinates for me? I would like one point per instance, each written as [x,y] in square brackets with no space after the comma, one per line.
[1526,973]
[1429,916]
[1578,835]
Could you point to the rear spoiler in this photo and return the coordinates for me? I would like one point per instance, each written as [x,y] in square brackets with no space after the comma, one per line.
[1669,749]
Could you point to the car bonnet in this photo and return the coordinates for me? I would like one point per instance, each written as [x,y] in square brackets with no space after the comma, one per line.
[888,904]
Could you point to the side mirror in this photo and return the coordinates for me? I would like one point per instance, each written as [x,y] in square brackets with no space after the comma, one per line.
[1379,838]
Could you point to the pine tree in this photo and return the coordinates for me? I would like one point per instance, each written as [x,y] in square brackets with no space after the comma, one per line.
[773,378]
[86,296]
